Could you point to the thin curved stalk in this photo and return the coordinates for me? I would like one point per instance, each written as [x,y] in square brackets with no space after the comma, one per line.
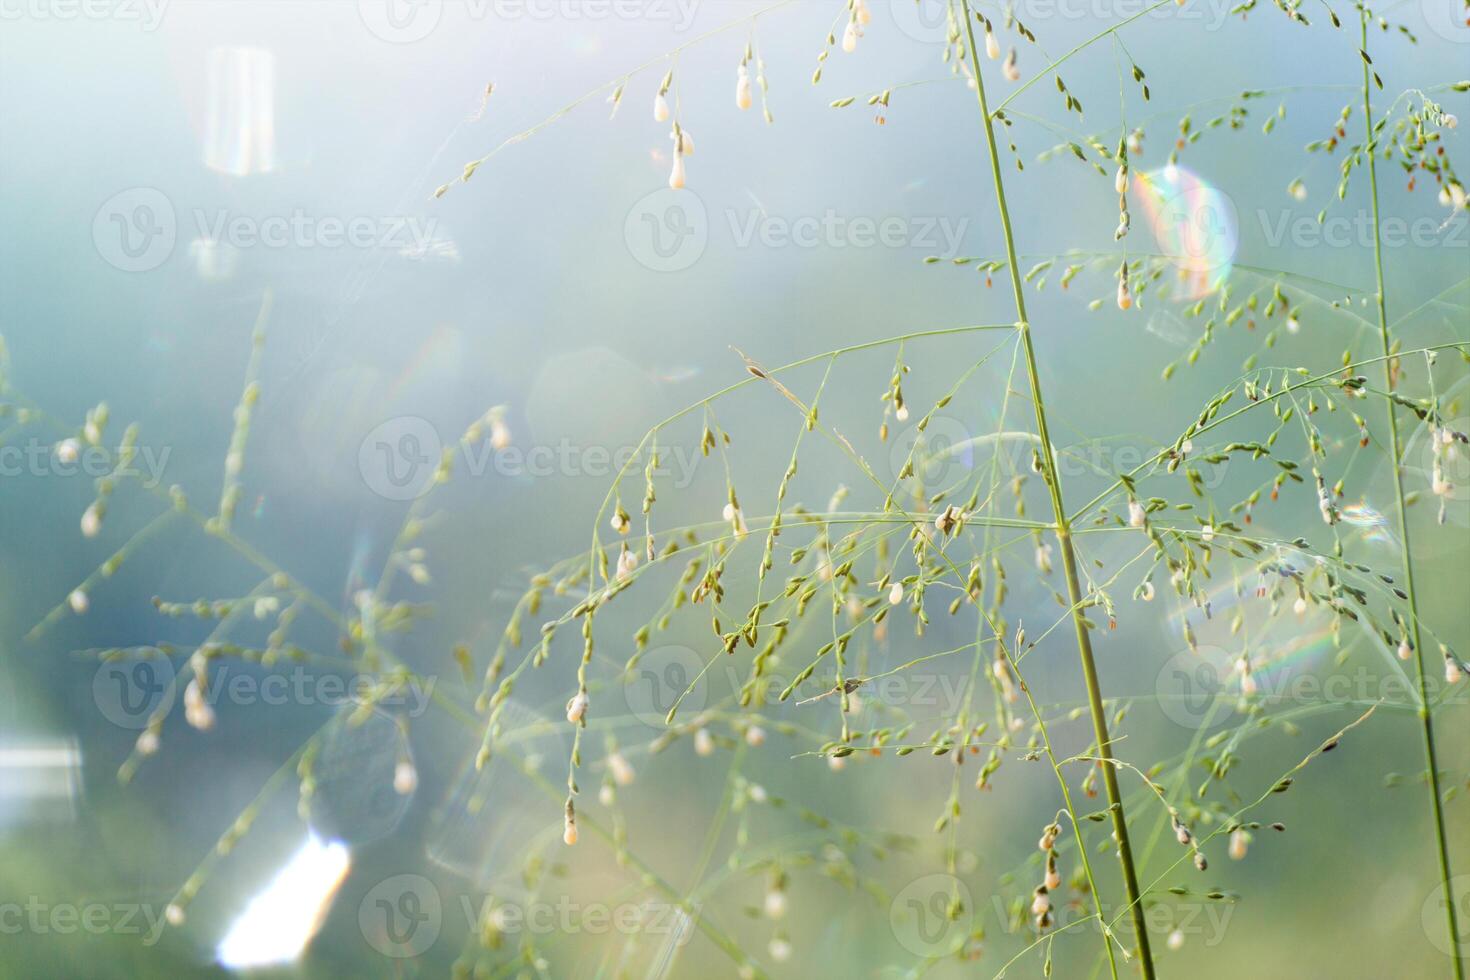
[1064,535]
[1426,715]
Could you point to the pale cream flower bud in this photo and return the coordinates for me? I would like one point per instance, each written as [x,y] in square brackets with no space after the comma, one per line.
[1010,69]
[405,777]
[577,707]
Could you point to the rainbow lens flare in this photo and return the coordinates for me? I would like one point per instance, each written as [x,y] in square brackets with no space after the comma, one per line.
[1195,225]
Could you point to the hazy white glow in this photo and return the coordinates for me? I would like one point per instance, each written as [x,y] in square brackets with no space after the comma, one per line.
[39,780]
[240,120]
[283,916]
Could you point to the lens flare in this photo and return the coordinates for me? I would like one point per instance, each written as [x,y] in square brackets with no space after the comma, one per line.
[1363,515]
[1195,225]
[280,920]
[240,122]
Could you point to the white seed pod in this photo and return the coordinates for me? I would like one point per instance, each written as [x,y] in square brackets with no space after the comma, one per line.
[200,717]
[1239,844]
[1176,939]
[1300,606]
[174,914]
[577,707]
[742,88]
[1452,671]
[627,563]
[1137,516]
[147,743]
[1147,592]
[621,769]
[755,736]
[569,831]
[864,17]
[704,742]
[660,108]
[677,176]
[1010,69]
[775,903]
[78,601]
[992,46]
[1040,902]
[895,593]
[68,451]
[91,521]
[1120,181]
[836,763]
[850,37]
[780,949]
[1405,651]
[1125,298]
[902,413]
[405,777]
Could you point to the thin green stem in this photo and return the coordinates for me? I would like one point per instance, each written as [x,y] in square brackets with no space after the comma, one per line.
[1064,534]
[1426,715]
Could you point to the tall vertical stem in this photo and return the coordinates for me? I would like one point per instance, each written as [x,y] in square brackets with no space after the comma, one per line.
[1426,717]
[1064,534]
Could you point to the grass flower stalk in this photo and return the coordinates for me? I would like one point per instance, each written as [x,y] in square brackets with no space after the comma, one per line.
[1064,533]
[1426,716]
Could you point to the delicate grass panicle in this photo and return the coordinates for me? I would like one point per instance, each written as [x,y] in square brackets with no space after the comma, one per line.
[807,605]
